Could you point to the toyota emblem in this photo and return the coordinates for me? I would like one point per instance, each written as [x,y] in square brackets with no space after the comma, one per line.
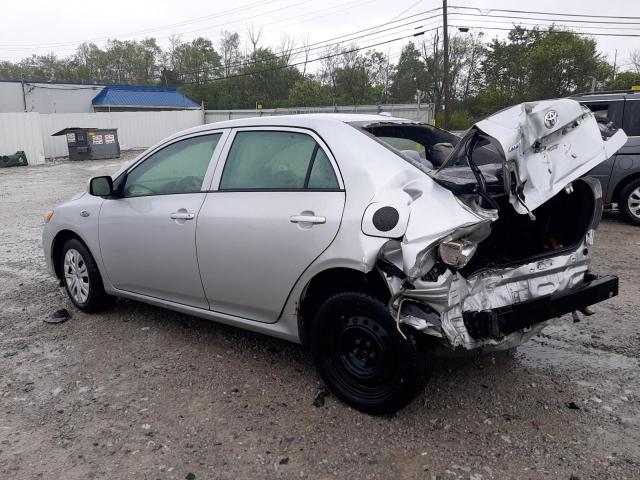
[550,118]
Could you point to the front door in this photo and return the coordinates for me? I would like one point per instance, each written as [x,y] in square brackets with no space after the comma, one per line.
[277,208]
[147,234]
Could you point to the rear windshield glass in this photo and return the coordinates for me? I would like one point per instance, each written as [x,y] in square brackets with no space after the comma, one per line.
[427,147]
[424,146]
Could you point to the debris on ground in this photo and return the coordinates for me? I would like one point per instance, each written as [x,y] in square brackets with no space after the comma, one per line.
[59,316]
[318,401]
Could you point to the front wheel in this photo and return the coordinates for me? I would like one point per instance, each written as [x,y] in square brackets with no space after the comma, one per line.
[81,277]
[361,356]
[629,201]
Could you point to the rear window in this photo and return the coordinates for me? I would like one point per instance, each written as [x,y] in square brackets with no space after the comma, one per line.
[424,146]
[610,109]
[632,118]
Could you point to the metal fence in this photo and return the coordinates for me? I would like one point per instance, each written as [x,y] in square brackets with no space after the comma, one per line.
[31,132]
[135,129]
[422,113]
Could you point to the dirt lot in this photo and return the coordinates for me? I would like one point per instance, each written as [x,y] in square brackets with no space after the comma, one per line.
[140,392]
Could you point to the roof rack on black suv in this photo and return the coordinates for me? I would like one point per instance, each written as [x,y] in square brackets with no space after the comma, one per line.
[619,175]
[604,92]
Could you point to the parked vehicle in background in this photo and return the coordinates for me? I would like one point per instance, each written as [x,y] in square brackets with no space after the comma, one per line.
[620,174]
[372,239]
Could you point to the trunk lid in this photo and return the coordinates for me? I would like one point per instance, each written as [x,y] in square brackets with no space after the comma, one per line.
[544,146]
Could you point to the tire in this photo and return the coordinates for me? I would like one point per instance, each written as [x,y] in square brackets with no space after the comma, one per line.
[361,356]
[81,277]
[629,201]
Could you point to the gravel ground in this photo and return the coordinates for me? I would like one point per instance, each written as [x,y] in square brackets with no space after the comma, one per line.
[140,392]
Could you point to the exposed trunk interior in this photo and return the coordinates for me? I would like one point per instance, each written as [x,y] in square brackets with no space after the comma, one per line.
[560,223]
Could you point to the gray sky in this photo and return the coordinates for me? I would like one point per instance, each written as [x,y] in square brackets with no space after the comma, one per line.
[41,26]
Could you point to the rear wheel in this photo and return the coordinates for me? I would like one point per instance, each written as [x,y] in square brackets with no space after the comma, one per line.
[361,356]
[81,277]
[629,201]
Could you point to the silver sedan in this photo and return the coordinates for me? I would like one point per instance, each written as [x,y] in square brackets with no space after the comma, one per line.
[371,239]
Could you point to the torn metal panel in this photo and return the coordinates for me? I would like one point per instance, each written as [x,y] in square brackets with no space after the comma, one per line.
[545,145]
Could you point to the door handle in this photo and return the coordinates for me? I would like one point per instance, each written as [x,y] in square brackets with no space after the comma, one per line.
[182,216]
[307,219]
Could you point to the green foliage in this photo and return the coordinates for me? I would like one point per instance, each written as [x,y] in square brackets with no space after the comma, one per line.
[408,76]
[624,81]
[309,92]
[529,64]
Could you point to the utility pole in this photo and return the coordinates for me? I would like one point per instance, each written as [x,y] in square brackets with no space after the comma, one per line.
[445,73]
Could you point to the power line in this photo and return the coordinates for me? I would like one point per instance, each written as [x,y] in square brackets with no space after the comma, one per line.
[140,32]
[324,43]
[324,57]
[349,37]
[71,50]
[489,10]
[281,56]
[546,19]
[517,22]
[554,31]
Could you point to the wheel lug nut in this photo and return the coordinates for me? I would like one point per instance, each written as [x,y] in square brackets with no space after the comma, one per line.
[372,355]
[358,341]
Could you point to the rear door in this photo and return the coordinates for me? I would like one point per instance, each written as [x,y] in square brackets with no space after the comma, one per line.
[612,110]
[275,206]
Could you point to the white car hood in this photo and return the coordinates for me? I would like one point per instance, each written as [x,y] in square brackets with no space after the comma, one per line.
[545,145]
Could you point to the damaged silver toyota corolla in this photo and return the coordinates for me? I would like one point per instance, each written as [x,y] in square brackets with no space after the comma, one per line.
[371,239]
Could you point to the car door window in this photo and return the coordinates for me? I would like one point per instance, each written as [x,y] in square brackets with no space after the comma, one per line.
[322,175]
[632,118]
[177,168]
[611,111]
[275,160]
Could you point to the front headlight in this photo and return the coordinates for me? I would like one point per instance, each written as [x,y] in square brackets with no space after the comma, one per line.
[48,216]
[457,253]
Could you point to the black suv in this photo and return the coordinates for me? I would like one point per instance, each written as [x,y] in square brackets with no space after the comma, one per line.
[619,175]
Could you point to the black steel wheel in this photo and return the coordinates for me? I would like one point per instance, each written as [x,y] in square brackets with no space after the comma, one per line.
[362,357]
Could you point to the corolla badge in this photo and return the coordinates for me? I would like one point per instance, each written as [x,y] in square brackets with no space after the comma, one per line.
[550,119]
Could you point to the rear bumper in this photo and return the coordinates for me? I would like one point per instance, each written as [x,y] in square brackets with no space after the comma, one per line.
[498,322]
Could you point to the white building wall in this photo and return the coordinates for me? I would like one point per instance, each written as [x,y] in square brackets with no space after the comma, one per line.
[11,97]
[47,97]
[58,98]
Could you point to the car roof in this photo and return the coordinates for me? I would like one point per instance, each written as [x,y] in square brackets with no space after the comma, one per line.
[311,121]
[600,96]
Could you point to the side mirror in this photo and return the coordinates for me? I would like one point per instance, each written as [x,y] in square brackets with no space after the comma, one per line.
[101,186]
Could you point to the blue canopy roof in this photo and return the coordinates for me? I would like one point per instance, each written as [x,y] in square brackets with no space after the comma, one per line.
[142,96]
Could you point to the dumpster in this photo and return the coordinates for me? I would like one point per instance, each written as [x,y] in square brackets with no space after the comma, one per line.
[91,143]
[18,159]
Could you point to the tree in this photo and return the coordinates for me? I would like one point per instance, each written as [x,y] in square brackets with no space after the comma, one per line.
[634,59]
[408,75]
[230,50]
[309,92]
[623,81]
[562,63]
[197,62]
